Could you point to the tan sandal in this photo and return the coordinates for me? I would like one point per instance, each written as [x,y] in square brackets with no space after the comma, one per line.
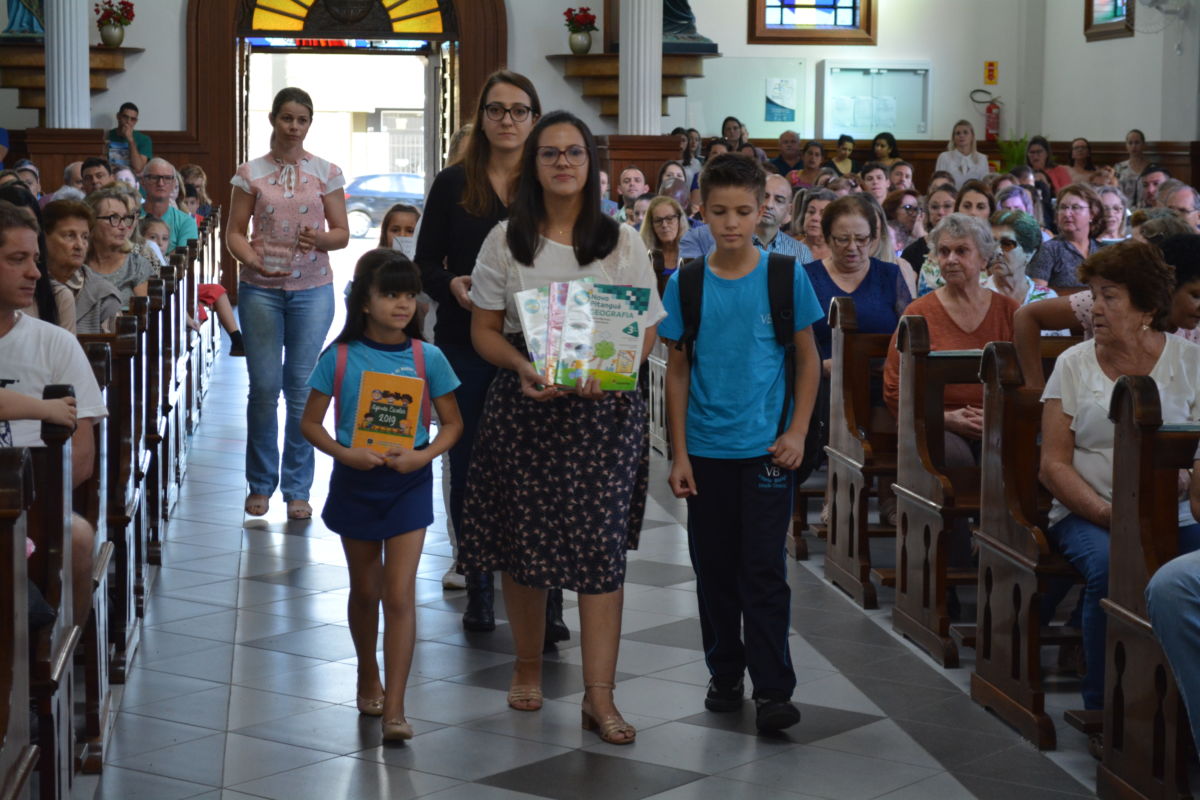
[397,730]
[528,695]
[257,505]
[299,509]
[612,729]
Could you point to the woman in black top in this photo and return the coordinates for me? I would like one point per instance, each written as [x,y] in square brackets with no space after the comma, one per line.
[465,202]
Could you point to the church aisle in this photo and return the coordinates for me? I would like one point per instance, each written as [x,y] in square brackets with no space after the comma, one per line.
[245,681]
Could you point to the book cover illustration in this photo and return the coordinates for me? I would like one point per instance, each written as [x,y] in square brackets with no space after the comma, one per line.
[556,317]
[603,335]
[388,407]
[533,309]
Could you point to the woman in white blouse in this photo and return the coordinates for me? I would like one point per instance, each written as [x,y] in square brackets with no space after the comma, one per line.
[557,487]
[1132,290]
[961,159]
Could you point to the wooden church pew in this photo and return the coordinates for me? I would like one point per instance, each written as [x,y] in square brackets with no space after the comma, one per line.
[930,498]
[1147,744]
[1016,563]
[52,648]
[18,754]
[159,442]
[861,449]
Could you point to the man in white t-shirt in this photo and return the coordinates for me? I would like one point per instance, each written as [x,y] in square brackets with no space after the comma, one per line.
[33,355]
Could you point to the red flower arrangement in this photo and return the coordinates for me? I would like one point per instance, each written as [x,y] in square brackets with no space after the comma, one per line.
[113,12]
[580,21]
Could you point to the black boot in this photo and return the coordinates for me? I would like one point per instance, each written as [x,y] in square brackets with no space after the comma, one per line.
[556,629]
[479,616]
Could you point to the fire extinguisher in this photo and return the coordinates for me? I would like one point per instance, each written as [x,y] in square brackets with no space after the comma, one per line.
[991,117]
[991,113]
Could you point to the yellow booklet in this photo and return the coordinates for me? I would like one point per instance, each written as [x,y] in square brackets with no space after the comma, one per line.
[388,407]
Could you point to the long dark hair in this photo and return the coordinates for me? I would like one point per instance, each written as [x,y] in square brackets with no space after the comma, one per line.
[478,198]
[43,292]
[595,233]
[386,271]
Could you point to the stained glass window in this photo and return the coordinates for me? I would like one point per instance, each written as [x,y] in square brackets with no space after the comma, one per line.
[812,22]
[330,18]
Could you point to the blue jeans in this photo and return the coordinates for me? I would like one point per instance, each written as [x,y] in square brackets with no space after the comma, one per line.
[475,376]
[1173,599]
[284,332]
[1085,545]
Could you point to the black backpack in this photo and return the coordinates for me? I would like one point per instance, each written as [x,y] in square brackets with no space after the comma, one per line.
[781,276]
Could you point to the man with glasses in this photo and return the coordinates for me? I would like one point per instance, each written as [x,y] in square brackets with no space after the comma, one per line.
[776,212]
[1175,195]
[127,147]
[158,182]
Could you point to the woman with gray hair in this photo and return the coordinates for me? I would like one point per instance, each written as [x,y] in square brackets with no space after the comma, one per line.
[961,315]
[1018,238]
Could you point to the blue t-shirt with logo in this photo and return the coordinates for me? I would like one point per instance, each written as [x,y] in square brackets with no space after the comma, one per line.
[365,355]
[737,382]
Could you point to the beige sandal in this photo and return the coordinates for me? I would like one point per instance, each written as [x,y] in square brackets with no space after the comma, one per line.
[528,695]
[612,729]
[299,509]
[257,505]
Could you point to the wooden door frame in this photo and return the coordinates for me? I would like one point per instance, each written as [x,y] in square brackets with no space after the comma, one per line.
[211,137]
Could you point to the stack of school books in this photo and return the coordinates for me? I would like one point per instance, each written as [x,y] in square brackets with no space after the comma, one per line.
[576,330]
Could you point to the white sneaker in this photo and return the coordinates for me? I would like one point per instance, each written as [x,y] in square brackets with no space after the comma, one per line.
[452,580]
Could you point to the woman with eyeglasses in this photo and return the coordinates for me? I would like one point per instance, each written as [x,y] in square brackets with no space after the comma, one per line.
[905,218]
[1080,217]
[1040,159]
[111,253]
[1115,210]
[558,480]
[1018,238]
[87,302]
[285,295]
[465,202]
[664,226]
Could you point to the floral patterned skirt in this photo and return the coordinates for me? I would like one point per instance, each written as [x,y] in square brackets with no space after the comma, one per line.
[556,492]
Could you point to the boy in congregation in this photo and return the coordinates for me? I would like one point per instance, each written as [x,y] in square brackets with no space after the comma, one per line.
[735,444]
[36,354]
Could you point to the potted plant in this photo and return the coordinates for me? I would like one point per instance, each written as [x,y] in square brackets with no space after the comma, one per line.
[111,18]
[580,23]
[1012,150]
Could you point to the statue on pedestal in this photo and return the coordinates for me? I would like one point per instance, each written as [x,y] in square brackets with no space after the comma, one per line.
[679,30]
[25,18]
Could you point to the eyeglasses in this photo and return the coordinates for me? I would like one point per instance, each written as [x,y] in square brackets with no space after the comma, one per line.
[1006,244]
[118,221]
[577,155]
[665,220]
[845,241]
[910,208]
[158,178]
[519,112]
[1075,208]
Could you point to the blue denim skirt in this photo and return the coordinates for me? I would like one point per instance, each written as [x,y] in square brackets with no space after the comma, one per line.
[379,503]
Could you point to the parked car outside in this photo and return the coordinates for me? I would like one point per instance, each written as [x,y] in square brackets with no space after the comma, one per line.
[368,197]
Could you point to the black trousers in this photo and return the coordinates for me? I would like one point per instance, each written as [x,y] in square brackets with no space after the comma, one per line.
[737,524]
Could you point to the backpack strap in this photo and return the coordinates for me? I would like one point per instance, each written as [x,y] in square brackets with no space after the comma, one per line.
[781,276]
[418,348]
[691,298]
[339,372]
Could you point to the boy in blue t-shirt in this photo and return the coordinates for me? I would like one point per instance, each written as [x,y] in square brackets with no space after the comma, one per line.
[736,473]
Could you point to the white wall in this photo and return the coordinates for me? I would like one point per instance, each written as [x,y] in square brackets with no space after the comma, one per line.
[154,80]
[1100,90]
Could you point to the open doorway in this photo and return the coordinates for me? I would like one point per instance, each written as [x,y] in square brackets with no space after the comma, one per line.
[371,117]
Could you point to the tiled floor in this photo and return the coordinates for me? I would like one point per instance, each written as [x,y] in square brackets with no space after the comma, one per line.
[245,682]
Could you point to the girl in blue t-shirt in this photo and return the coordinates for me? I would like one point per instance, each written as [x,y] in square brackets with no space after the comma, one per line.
[381,502]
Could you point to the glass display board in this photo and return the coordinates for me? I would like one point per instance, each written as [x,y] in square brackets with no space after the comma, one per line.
[863,98]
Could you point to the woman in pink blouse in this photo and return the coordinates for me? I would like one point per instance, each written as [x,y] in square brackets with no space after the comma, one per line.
[285,293]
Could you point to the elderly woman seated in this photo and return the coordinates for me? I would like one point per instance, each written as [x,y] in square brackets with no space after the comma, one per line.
[961,315]
[1132,289]
[664,226]
[1018,238]
[112,253]
[86,302]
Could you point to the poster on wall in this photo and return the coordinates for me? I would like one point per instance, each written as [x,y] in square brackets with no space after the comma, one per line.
[781,100]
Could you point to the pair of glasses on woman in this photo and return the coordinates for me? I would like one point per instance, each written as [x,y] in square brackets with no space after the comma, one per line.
[576,155]
[519,112]
[119,221]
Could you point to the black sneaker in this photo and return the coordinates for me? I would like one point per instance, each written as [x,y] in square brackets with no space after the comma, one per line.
[724,695]
[773,714]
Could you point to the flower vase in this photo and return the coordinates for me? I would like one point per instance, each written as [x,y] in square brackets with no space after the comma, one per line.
[580,42]
[112,35]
